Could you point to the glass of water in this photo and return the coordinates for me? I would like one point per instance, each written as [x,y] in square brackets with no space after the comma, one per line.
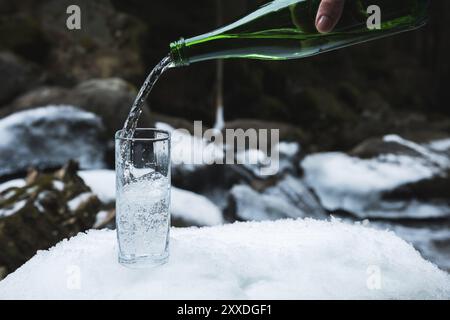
[143,197]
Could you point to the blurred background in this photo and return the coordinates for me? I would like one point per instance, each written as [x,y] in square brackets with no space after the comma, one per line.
[365,131]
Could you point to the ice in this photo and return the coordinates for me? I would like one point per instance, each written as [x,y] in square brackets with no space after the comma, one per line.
[288,259]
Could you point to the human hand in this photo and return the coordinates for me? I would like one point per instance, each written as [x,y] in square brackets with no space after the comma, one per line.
[328,15]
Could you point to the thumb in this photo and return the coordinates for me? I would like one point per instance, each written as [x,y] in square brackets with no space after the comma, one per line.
[328,15]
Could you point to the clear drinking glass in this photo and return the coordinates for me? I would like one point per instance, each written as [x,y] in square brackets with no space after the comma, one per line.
[143,197]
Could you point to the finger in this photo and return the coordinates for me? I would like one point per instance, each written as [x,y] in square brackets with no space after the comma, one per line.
[328,15]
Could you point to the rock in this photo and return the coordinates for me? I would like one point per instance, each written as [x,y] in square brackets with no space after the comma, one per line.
[16,76]
[23,35]
[432,190]
[48,208]
[110,99]
[288,198]
[48,137]
[395,178]
[374,147]
[107,45]
[41,96]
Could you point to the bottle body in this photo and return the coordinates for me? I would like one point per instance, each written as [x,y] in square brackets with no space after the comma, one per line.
[285,29]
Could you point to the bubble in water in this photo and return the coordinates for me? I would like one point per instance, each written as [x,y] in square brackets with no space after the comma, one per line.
[143,217]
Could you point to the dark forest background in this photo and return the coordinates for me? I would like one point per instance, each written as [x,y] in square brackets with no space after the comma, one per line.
[335,100]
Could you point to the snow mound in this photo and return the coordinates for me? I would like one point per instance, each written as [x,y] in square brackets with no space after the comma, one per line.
[288,259]
[48,137]
[185,205]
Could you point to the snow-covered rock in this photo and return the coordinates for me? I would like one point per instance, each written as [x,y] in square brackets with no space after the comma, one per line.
[357,185]
[16,183]
[48,137]
[303,259]
[442,145]
[101,182]
[287,154]
[189,207]
[194,208]
[288,198]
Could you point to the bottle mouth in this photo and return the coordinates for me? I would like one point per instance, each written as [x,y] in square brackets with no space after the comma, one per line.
[177,49]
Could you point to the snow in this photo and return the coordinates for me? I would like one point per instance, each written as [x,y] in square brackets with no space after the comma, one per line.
[430,240]
[356,185]
[440,145]
[251,157]
[435,158]
[289,149]
[78,200]
[4,212]
[100,218]
[185,205]
[58,185]
[194,208]
[16,183]
[48,137]
[288,259]
[101,182]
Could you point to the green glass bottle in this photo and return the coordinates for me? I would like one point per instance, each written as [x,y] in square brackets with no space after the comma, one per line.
[285,29]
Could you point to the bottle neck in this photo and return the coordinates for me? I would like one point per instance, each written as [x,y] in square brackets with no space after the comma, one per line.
[177,53]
